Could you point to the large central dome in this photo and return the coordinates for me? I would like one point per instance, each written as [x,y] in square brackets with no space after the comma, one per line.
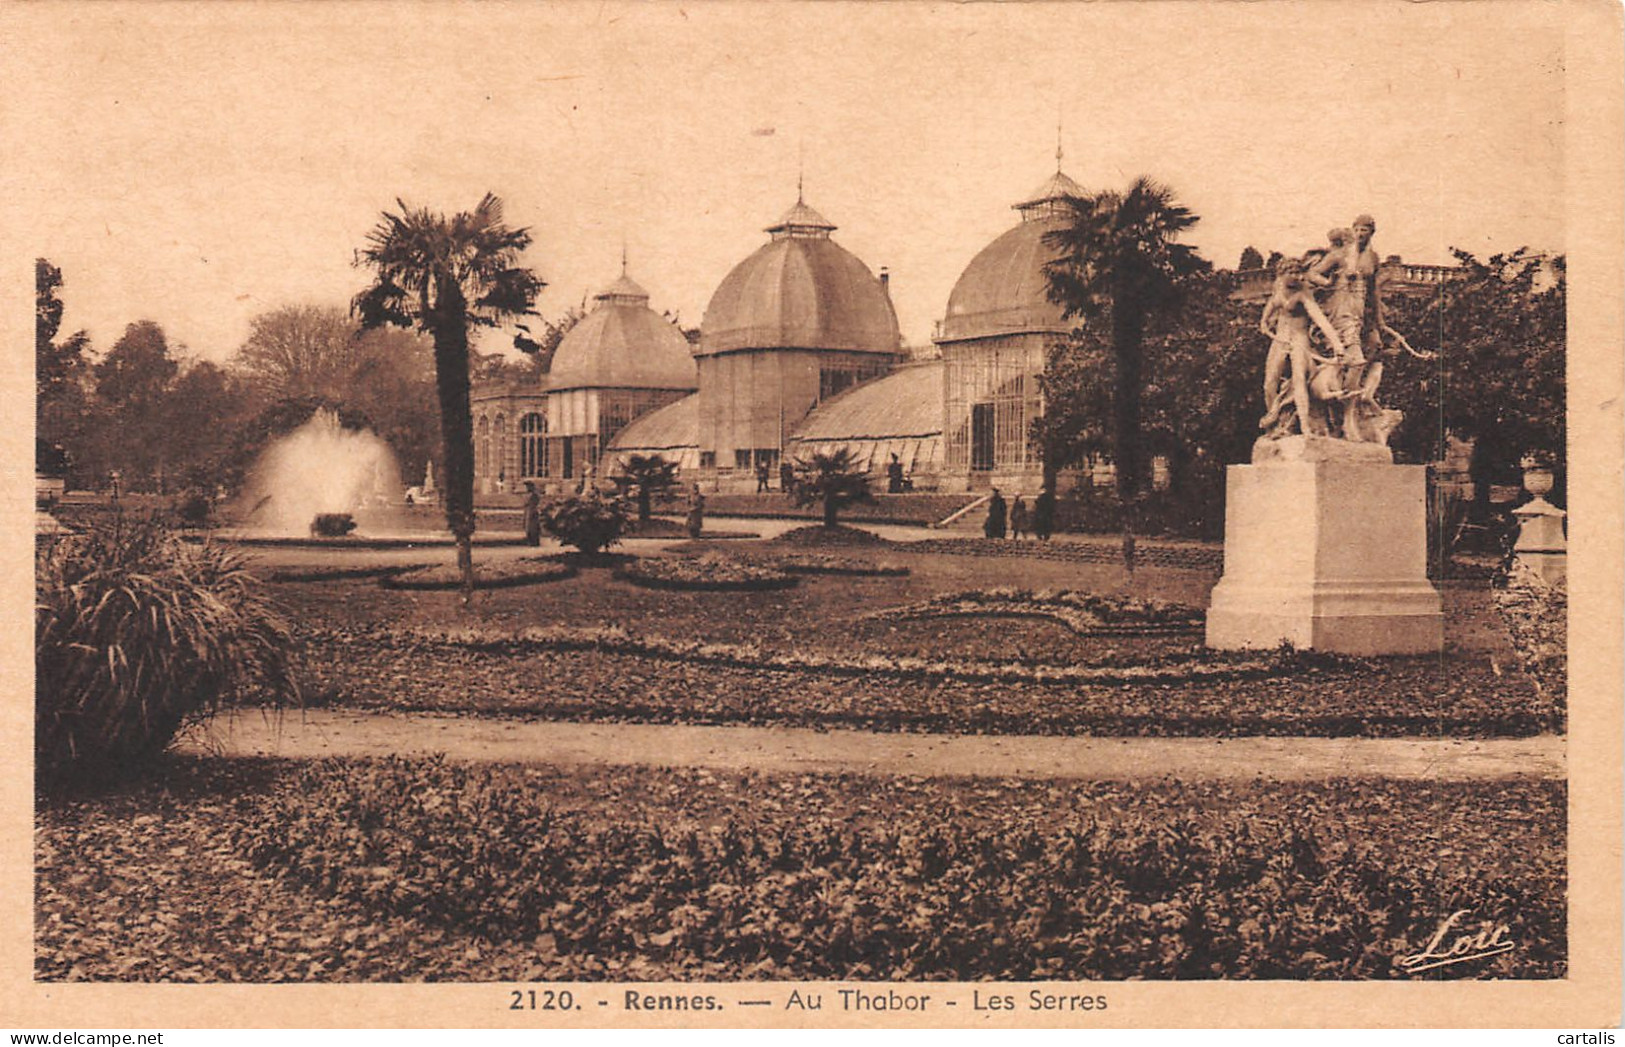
[623,344]
[1003,290]
[800,290]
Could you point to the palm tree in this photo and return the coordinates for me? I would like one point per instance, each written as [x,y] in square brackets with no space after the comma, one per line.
[1118,260]
[833,479]
[442,275]
[648,473]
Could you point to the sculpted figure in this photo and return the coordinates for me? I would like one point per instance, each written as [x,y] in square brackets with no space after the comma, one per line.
[1355,308]
[1293,371]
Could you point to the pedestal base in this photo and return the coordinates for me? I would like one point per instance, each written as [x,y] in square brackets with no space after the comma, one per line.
[1326,552]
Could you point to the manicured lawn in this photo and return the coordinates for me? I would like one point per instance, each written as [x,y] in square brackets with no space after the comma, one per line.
[409,870]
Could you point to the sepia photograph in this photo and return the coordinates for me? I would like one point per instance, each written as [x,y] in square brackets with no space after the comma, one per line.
[819,514]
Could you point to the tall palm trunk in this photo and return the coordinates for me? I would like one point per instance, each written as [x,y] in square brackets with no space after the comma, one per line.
[450,333]
[830,509]
[1127,331]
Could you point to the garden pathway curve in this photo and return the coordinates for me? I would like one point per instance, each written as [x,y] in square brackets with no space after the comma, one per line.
[320,733]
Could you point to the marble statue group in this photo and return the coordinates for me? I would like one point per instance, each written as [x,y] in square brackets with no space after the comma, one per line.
[1328,386]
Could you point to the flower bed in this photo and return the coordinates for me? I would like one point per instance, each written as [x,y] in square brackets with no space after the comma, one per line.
[1082,612]
[818,535]
[829,563]
[609,675]
[691,873]
[655,527]
[1148,553]
[704,572]
[613,639]
[336,572]
[528,570]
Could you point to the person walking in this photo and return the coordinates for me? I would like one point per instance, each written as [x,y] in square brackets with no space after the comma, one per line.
[994,526]
[1044,514]
[1018,517]
[761,477]
[696,514]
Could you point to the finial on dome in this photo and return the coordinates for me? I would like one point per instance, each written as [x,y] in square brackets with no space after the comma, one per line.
[1058,153]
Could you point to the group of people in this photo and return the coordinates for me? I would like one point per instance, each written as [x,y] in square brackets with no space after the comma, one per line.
[1331,392]
[1018,519]
[787,478]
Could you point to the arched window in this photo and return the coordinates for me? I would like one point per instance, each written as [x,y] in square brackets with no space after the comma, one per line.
[499,448]
[482,452]
[532,446]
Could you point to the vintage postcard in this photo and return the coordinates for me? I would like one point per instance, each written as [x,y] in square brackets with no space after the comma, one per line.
[577,515]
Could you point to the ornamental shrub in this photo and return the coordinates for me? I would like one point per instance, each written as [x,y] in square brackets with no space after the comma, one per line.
[136,635]
[589,523]
[332,525]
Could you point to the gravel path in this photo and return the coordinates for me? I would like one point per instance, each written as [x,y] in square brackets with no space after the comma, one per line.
[320,733]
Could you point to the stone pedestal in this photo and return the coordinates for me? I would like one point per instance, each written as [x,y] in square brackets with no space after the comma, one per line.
[1325,548]
[1541,543]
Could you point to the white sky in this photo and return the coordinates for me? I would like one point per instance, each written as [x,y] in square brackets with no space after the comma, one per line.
[197,164]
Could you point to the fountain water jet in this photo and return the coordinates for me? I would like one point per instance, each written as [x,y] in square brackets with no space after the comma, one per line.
[321,467]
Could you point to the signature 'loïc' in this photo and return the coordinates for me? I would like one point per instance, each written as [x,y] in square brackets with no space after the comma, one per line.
[1491,940]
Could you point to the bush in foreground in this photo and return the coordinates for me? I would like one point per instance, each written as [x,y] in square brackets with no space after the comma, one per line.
[137,634]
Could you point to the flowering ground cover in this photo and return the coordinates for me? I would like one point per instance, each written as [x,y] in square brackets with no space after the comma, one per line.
[708,572]
[611,675]
[375,649]
[238,870]
[491,574]
[1081,612]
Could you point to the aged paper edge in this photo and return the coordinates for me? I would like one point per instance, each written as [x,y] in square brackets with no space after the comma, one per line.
[1590,996]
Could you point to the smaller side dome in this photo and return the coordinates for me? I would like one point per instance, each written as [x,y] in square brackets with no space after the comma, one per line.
[623,344]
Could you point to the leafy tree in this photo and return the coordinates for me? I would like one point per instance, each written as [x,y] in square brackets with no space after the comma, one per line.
[1201,399]
[649,474]
[383,379]
[1119,263]
[832,479]
[132,383]
[441,275]
[63,422]
[1250,258]
[1274,260]
[1500,334]
[299,351]
[56,364]
[202,407]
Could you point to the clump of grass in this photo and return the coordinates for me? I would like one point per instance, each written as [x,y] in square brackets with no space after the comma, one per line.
[136,635]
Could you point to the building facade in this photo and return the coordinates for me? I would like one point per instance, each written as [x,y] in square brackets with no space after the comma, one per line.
[994,339]
[799,351]
[620,362]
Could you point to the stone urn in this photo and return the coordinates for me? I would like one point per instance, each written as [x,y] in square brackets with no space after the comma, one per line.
[1537,474]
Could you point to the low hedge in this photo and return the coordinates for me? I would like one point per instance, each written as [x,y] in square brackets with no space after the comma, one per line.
[497,574]
[706,573]
[823,877]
